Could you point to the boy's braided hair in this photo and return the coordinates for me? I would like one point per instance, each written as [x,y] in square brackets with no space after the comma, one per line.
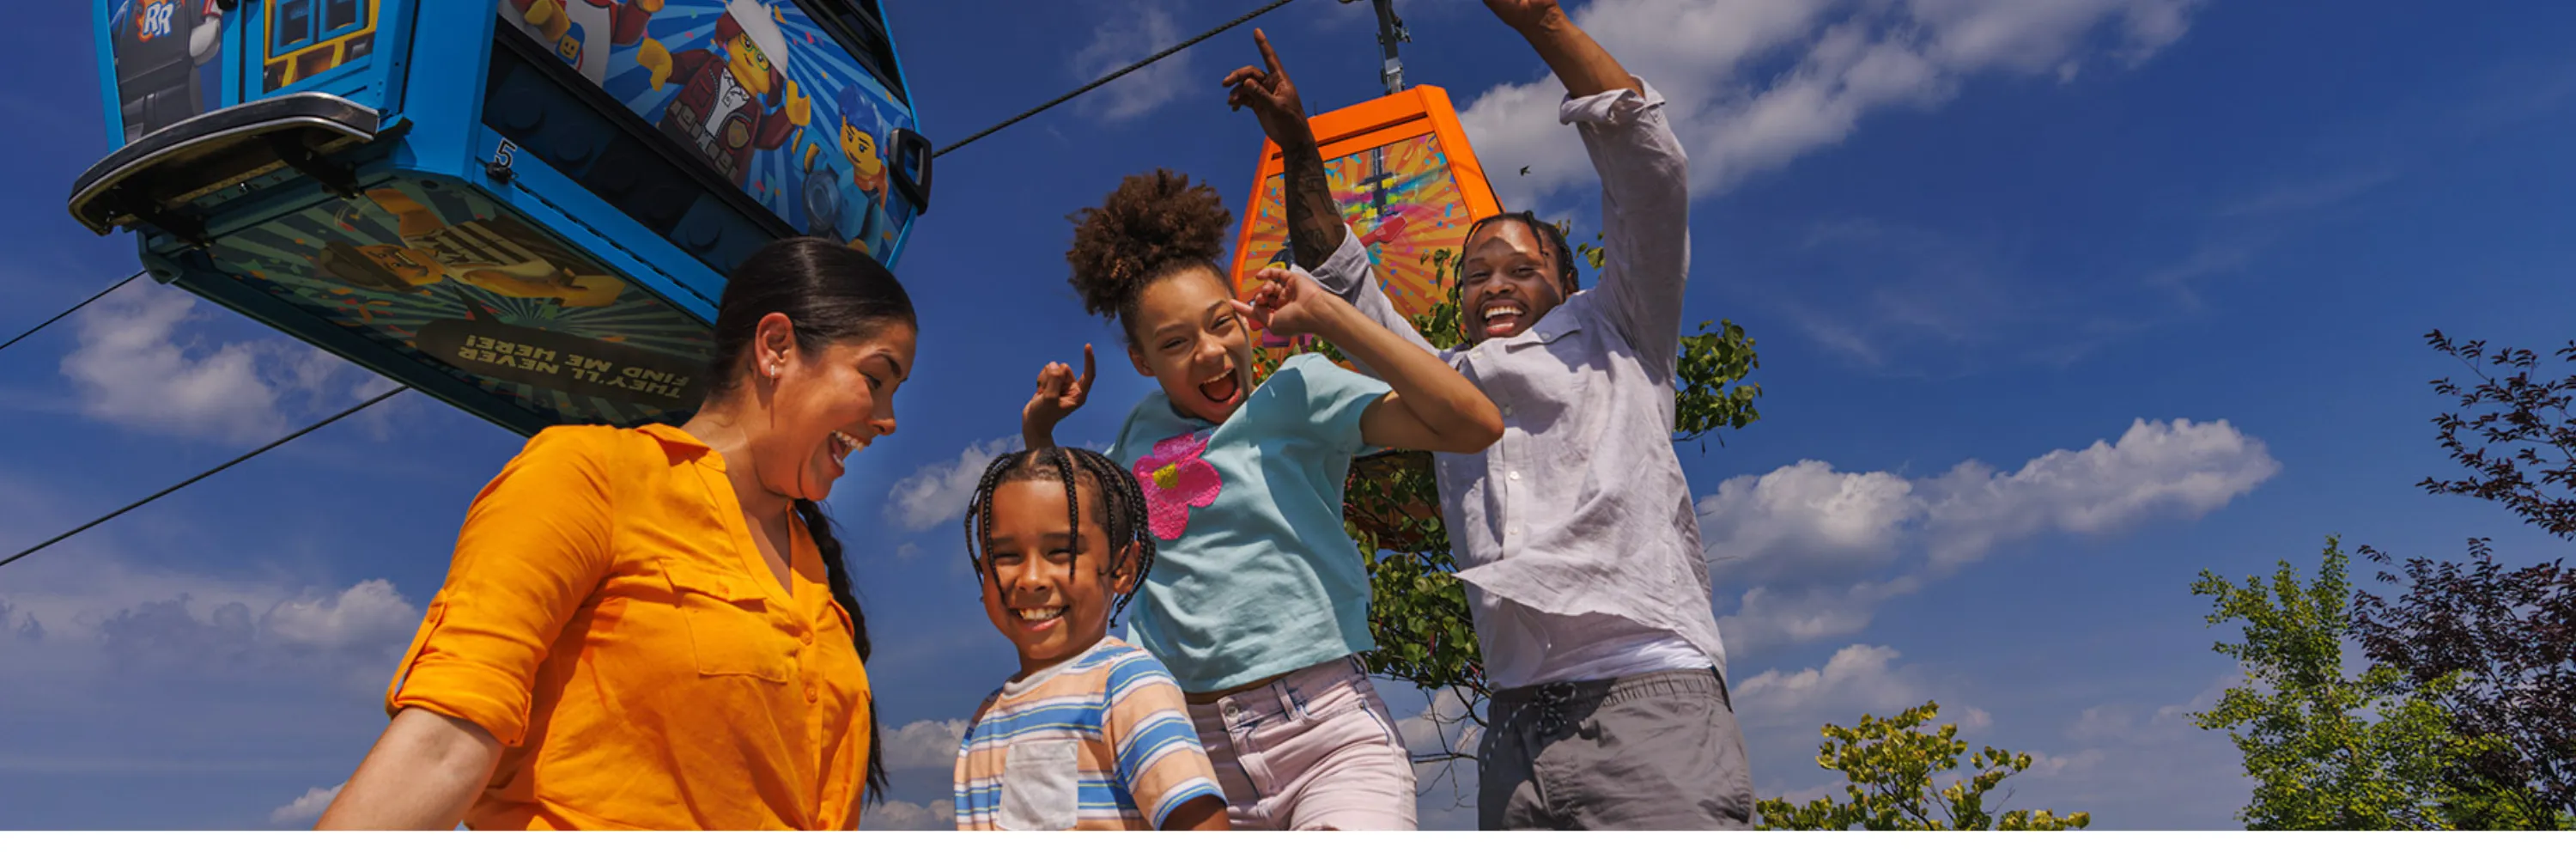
[1116,498]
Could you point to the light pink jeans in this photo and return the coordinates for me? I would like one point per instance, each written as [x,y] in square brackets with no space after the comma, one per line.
[1314,749]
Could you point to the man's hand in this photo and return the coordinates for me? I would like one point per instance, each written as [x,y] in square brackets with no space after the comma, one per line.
[1579,63]
[1271,96]
[1059,394]
[1291,304]
[1524,15]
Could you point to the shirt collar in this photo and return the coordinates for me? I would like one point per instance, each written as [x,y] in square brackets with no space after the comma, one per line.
[682,445]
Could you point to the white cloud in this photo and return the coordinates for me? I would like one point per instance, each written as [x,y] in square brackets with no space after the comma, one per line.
[897,814]
[2178,469]
[1809,543]
[938,492]
[926,744]
[135,367]
[307,808]
[1123,37]
[1753,84]
[2161,769]
[140,617]
[1858,679]
[1804,517]
[368,613]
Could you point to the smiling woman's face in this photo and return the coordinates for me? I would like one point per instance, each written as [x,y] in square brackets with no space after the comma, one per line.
[826,405]
[1185,334]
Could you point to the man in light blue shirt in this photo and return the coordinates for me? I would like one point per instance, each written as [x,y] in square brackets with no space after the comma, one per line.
[1575,533]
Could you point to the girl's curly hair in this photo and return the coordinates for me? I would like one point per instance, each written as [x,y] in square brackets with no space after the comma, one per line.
[1156,224]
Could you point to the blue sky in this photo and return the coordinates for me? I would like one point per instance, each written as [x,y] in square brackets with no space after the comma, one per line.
[2058,304]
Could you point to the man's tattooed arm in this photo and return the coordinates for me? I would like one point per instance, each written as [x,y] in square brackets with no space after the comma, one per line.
[1315,226]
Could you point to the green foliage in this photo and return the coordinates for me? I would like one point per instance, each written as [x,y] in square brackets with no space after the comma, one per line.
[1703,402]
[2332,751]
[1888,766]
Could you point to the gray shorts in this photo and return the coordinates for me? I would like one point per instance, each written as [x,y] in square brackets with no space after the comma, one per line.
[1657,751]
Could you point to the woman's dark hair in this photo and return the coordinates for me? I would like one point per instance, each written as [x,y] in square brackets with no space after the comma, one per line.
[1154,225]
[1115,498]
[830,293]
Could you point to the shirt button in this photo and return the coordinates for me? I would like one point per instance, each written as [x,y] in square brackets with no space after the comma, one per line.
[1507,411]
[805,637]
[812,693]
[1516,475]
[1514,530]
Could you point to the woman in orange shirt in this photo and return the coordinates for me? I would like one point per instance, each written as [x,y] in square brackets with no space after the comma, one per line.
[652,628]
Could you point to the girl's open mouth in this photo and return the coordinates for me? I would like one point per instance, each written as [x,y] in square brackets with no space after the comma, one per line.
[1223,389]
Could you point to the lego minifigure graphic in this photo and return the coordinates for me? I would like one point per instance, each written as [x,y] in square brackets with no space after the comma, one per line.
[830,211]
[581,32]
[720,110]
[500,256]
[159,46]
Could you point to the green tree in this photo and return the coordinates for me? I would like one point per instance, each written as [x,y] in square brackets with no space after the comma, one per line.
[2329,750]
[1888,768]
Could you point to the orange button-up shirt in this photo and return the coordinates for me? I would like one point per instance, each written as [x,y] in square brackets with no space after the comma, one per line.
[608,619]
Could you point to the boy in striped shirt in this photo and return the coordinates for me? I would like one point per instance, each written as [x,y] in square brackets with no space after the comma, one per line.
[1092,732]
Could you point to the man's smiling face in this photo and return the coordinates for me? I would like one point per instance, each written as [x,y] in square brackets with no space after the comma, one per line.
[1509,281]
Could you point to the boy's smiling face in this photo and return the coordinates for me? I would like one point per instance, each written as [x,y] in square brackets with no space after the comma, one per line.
[1049,601]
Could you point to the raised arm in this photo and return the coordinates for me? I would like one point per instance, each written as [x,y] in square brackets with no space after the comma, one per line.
[1060,393]
[1319,242]
[1315,225]
[1432,407]
[1578,62]
[1645,180]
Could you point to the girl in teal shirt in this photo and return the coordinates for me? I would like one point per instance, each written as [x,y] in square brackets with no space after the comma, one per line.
[1259,600]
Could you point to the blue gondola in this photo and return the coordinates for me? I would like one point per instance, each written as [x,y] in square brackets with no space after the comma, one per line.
[526,208]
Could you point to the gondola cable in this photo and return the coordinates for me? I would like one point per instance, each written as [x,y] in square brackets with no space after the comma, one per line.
[1156,57]
[40,326]
[209,472]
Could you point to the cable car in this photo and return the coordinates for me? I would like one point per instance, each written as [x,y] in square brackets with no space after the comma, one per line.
[1406,181]
[1404,178]
[526,208]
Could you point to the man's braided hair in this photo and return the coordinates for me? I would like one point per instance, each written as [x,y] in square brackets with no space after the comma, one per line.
[1116,499]
[1566,276]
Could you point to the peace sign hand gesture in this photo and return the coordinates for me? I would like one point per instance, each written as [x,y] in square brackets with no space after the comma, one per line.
[1271,96]
[1291,304]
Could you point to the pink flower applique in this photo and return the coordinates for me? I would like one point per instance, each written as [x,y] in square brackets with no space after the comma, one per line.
[1176,479]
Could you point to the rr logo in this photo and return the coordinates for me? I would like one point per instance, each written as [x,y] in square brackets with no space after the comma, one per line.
[154,22]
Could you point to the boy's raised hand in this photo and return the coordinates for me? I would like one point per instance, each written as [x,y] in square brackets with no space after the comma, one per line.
[1059,394]
[1273,99]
